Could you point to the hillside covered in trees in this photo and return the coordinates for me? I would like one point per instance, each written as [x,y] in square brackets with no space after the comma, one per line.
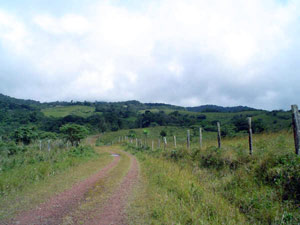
[47,118]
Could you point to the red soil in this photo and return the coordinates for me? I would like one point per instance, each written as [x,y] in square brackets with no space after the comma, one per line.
[52,211]
[112,212]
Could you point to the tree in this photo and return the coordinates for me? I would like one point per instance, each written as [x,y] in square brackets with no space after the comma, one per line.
[258,126]
[240,123]
[47,135]
[163,133]
[25,135]
[74,133]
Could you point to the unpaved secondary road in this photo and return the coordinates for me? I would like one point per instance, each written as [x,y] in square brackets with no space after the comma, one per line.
[111,212]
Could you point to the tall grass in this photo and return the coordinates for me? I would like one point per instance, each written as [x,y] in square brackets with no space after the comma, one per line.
[264,187]
[175,195]
[29,164]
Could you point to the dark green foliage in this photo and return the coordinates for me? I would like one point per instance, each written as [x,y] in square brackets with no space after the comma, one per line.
[47,135]
[25,135]
[74,133]
[240,123]
[9,149]
[163,133]
[215,108]
[282,171]
[108,116]
[132,134]
[258,126]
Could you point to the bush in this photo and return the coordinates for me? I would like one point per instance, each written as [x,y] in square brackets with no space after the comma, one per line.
[282,171]
[25,135]
[81,151]
[9,148]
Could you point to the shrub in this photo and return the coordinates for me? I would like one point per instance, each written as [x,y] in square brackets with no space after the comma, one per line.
[282,171]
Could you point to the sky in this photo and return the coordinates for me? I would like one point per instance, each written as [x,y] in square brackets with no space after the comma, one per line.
[182,52]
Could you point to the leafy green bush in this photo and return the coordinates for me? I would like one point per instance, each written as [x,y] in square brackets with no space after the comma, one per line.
[219,159]
[282,171]
[9,149]
[25,135]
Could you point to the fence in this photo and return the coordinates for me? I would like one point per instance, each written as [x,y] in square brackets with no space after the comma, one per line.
[295,122]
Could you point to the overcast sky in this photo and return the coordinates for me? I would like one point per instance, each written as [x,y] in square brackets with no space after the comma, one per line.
[183,52]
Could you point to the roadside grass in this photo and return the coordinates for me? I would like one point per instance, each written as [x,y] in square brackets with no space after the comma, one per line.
[43,174]
[31,165]
[175,195]
[62,111]
[184,184]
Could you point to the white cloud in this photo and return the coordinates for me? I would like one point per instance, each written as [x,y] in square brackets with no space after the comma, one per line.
[13,34]
[68,24]
[184,52]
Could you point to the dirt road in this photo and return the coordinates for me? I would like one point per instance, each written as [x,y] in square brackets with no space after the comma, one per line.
[110,211]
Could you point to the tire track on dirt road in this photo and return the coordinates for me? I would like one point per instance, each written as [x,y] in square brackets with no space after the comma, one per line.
[52,211]
[113,210]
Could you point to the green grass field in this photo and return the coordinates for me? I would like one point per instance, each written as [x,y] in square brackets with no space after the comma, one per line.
[62,111]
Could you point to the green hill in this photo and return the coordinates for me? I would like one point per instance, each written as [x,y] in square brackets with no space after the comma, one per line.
[113,116]
[76,110]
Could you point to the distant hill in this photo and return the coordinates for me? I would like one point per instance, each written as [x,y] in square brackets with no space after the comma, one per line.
[215,108]
[9,102]
[112,116]
[162,106]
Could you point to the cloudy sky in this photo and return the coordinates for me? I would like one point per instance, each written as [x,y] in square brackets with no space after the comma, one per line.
[184,52]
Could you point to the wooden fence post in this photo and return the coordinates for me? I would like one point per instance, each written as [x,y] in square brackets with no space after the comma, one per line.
[174,141]
[200,137]
[296,127]
[49,147]
[158,143]
[165,143]
[152,145]
[40,145]
[188,139]
[250,136]
[219,135]
[136,142]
